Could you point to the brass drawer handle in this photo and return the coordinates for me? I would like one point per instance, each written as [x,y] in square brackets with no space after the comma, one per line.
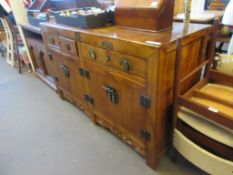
[107,58]
[126,65]
[93,54]
[67,45]
[107,45]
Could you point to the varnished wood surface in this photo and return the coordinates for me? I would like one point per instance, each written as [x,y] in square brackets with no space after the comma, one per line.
[135,36]
[217,14]
[31,28]
[143,15]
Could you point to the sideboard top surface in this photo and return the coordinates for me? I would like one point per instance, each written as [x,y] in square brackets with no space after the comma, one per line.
[136,36]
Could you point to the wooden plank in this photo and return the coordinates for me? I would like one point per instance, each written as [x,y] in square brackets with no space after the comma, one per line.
[221,78]
[218,117]
[200,94]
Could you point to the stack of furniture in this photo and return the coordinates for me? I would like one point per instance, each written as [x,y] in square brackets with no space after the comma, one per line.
[9,42]
[203,115]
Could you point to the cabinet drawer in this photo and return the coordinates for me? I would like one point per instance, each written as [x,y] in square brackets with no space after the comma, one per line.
[121,46]
[115,60]
[128,64]
[68,46]
[53,42]
[93,53]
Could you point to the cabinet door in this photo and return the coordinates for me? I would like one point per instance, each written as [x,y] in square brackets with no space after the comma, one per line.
[102,107]
[130,115]
[69,80]
[117,104]
[50,64]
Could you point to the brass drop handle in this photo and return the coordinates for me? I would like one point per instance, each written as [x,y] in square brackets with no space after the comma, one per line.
[51,40]
[107,45]
[67,45]
[93,54]
[125,65]
[108,58]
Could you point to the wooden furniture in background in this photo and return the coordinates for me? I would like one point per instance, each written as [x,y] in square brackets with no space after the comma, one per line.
[224,63]
[209,20]
[203,114]
[157,16]
[41,60]
[216,5]
[9,42]
[123,79]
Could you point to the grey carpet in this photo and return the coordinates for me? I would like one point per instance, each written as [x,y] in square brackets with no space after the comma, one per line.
[40,134]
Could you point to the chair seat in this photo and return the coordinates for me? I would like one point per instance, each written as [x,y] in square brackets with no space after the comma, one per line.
[207,127]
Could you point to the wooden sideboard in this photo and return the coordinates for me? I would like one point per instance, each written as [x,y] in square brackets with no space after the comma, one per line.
[123,79]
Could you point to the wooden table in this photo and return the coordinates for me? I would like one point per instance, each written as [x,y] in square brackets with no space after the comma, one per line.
[207,20]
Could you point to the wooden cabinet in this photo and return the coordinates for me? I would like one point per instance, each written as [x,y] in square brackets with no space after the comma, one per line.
[69,74]
[116,104]
[123,79]
[70,82]
[43,63]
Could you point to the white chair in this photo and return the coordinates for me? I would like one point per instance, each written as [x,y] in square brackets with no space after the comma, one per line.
[9,43]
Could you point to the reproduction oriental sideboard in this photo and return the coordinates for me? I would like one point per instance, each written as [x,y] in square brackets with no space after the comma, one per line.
[121,78]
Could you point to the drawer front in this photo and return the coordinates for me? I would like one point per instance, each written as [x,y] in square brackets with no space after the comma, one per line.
[115,60]
[121,46]
[50,37]
[128,64]
[53,42]
[68,47]
[94,54]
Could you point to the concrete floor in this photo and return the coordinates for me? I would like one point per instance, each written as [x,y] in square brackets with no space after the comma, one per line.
[40,134]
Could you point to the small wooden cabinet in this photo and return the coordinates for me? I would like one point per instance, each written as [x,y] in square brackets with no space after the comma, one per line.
[123,79]
[43,63]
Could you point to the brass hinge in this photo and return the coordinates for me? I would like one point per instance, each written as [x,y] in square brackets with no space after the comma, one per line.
[145,101]
[145,134]
[89,99]
[84,73]
[107,45]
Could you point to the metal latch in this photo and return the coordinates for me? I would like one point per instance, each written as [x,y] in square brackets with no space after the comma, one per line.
[89,99]
[145,101]
[111,93]
[84,73]
[145,134]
